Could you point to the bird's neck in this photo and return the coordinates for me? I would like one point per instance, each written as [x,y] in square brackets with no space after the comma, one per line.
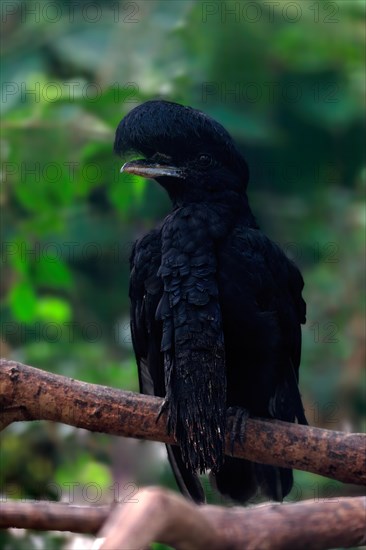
[220,218]
[235,208]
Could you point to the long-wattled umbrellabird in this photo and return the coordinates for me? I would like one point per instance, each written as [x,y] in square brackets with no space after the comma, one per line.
[216,307]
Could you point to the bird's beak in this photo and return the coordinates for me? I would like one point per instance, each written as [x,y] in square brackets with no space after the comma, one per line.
[150,169]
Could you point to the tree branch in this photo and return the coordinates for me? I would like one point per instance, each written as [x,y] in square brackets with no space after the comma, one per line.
[163,516]
[166,517]
[27,393]
[53,516]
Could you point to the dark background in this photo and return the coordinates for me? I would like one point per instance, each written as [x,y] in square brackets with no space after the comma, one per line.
[287,80]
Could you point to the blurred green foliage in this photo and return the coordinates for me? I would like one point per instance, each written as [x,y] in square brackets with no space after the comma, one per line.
[286,79]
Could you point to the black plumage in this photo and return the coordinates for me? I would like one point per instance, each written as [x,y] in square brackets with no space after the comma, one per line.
[216,307]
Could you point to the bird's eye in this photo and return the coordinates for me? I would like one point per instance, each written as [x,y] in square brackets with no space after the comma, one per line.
[205,160]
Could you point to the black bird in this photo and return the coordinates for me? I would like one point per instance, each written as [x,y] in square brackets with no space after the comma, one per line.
[216,307]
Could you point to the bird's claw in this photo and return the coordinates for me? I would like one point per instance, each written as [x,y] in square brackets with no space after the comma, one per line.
[238,418]
[162,409]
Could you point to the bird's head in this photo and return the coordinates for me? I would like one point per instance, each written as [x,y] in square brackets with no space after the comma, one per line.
[191,155]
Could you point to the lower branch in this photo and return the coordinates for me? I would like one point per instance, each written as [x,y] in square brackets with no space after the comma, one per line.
[27,393]
[162,516]
[53,516]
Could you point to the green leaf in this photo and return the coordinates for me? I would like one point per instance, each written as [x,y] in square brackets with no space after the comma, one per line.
[127,192]
[52,272]
[23,302]
[95,472]
[15,253]
[51,309]
[138,185]
[84,470]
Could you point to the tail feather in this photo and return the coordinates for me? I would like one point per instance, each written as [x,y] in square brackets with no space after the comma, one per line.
[187,481]
[235,479]
[275,482]
[239,480]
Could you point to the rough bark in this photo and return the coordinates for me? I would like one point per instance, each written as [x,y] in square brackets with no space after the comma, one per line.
[160,515]
[27,393]
[53,516]
[168,518]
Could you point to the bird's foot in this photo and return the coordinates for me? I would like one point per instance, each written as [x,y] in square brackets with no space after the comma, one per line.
[237,419]
[162,409]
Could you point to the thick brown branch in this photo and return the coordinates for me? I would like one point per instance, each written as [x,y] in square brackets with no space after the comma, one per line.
[168,518]
[163,516]
[27,393]
[53,516]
